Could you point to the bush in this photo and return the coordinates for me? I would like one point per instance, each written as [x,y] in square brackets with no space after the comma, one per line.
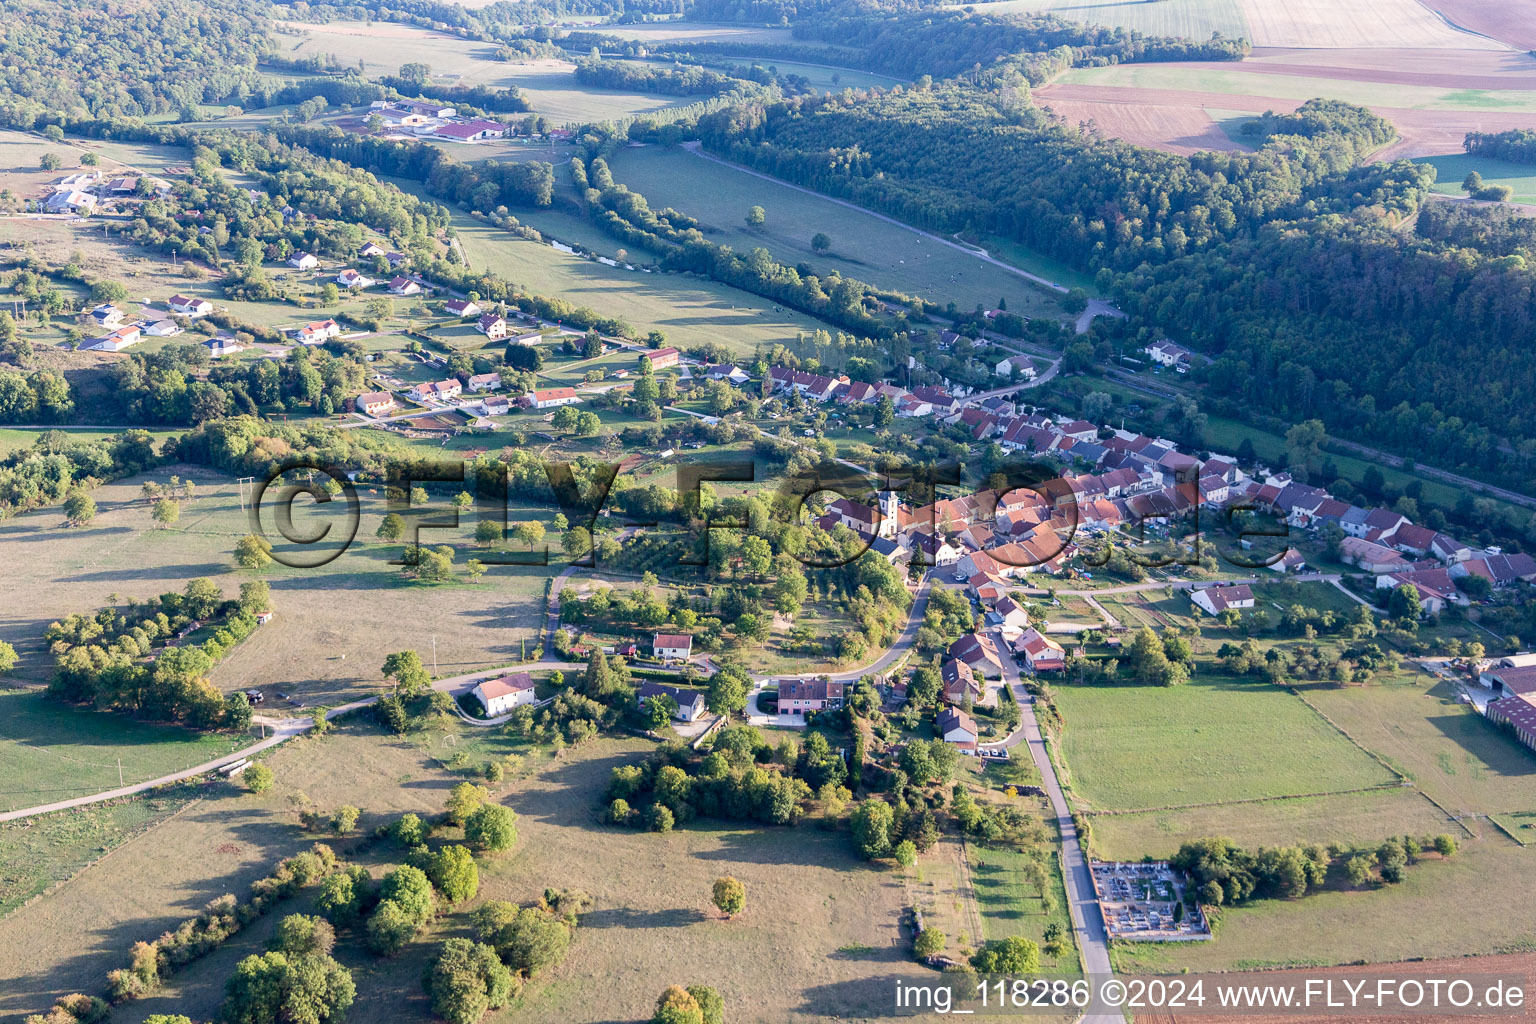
[258,778]
[300,935]
[389,929]
[730,895]
[929,942]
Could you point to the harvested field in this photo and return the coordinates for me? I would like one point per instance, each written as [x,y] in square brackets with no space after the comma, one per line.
[1347,23]
[1452,69]
[1497,19]
[1174,129]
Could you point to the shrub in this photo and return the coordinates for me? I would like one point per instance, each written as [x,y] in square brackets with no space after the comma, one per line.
[730,895]
[258,778]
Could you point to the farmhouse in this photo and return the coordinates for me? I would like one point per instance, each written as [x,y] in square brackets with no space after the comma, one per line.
[402,285]
[303,261]
[1371,557]
[798,696]
[498,696]
[462,307]
[553,398]
[188,306]
[671,646]
[957,727]
[662,358]
[491,325]
[317,332]
[690,703]
[484,381]
[375,403]
[1215,600]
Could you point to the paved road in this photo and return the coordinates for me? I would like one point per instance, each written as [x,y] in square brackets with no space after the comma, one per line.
[1082,902]
[904,642]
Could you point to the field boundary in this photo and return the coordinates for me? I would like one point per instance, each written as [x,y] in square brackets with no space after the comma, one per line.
[1381,788]
[1397,772]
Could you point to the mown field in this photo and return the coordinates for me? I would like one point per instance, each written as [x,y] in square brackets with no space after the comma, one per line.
[1132,747]
[1452,169]
[863,246]
[51,751]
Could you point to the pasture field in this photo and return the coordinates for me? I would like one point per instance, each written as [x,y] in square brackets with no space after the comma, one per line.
[689,310]
[42,852]
[862,246]
[1210,741]
[1011,905]
[1442,908]
[1451,169]
[50,751]
[1467,764]
[550,84]
[333,625]
[822,917]
[12,439]
[1345,818]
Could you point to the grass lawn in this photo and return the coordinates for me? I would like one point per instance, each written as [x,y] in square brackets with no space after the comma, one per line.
[51,751]
[1011,905]
[863,246]
[1449,750]
[1452,168]
[1130,747]
[12,439]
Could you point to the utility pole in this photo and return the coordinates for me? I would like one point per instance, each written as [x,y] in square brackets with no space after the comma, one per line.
[434,655]
[120,772]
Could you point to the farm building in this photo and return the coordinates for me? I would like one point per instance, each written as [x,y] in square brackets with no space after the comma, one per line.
[662,358]
[1519,713]
[498,696]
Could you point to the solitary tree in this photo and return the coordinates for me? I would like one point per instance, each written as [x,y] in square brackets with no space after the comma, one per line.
[392,528]
[252,552]
[7,658]
[79,507]
[821,242]
[491,827]
[405,668]
[756,218]
[166,512]
[730,895]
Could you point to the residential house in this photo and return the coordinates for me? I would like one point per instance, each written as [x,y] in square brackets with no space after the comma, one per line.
[371,249]
[163,329]
[957,727]
[375,403]
[498,696]
[1009,616]
[978,651]
[303,261]
[116,341]
[317,331]
[728,372]
[1433,585]
[491,325]
[960,682]
[441,390]
[553,398]
[1290,561]
[1041,653]
[106,315]
[350,278]
[222,346]
[1499,569]
[690,703]
[800,696]
[1166,353]
[396,260]
[188,306]
[1215,600]
[671,646]
[465,307]
[1006,367]
[402,285]
[484,381]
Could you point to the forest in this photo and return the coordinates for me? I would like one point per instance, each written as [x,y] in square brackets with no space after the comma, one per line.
[1517,145]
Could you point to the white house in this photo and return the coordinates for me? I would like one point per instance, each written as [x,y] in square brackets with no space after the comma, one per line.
[484,381]
[350,278]
[462,307]
[187,306]
[1166,353]
[1041,653]
[163,329]
[404,286]
[221,347]
[690,703]
[303,261]
[117,340]
[498,696]
[1215,600]
[375,403]
[492,326]
[672,646]
[553,398]
[317,331]
[442,390]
